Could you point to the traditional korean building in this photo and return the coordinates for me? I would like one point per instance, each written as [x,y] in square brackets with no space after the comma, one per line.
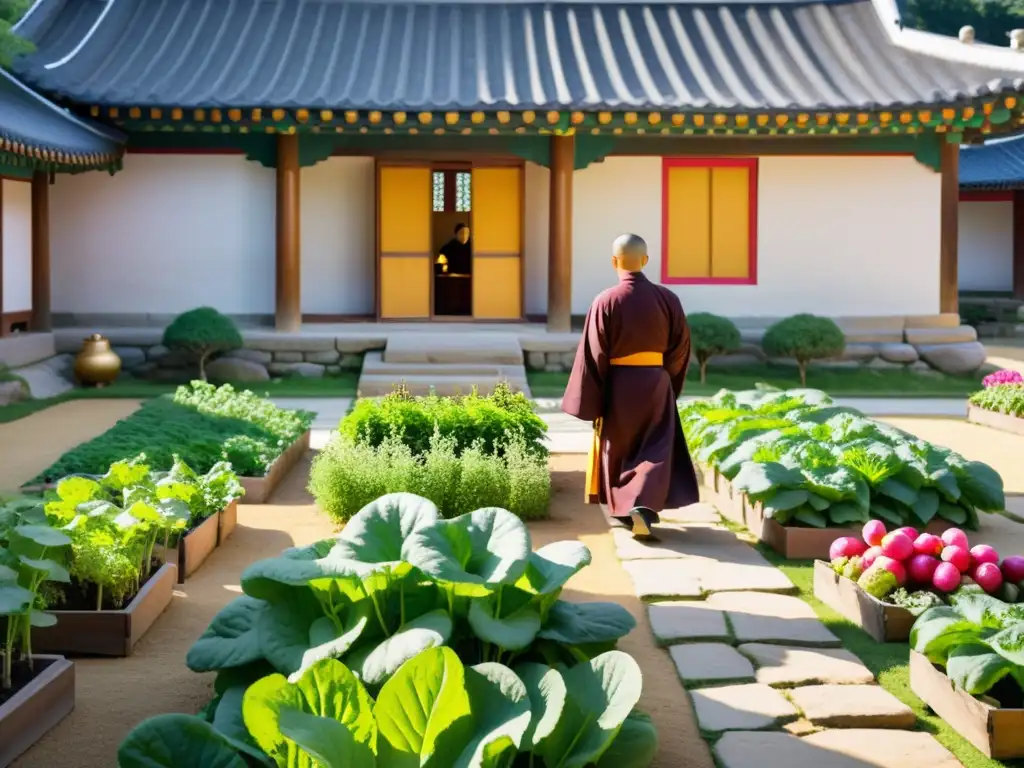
[992,218]
[306,160]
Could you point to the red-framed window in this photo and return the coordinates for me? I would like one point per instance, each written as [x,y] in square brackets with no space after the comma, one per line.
[709,221]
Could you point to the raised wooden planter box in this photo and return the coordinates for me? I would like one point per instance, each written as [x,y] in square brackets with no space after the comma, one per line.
[998,733]
[194,547]
[792,542]
[228,520]
[35,709]
[884,622]
[1002,421]
[258,489]
[109,633]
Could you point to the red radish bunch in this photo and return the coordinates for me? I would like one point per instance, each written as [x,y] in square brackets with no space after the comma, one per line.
[927,561]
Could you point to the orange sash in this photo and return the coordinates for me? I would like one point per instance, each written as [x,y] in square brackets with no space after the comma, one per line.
[593,487]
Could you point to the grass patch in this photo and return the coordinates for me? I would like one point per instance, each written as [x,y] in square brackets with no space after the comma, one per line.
[836,382]
[340,385]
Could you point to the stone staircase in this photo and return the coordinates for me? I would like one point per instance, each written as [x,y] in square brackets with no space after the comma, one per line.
[448,364]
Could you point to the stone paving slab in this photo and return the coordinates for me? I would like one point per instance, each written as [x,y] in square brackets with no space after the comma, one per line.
[674,541]
[717,576]
[695,513]
[788,666]
[856,748]
[672,622]
[710,663]
[661,579]
[757,617]
[741,707]
[852,706]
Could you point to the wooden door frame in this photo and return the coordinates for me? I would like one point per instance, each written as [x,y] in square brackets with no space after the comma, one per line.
[455,161]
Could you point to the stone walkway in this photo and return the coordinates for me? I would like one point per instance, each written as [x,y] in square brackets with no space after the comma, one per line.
[765,675]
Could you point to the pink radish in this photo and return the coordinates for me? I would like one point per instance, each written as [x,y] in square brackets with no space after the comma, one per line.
[868,558]
[959,557]
[928,544]
[954,537]
[898,546]
[846,546]
[1013,568]
[910,533]
[983,553]
[921,569]
[895,567]
[946,577]
[989,577]
[873,532]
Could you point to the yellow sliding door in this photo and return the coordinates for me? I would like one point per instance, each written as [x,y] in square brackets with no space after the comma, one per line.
[403,241]
[498,243]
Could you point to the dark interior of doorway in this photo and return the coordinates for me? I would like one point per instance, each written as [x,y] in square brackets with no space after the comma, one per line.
[452,204]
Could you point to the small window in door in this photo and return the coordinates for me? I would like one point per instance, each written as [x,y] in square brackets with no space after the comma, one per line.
[438,187]
[463,192]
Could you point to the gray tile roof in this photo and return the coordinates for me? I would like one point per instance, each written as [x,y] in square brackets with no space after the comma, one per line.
[997,164]
[612,55]
[32,127]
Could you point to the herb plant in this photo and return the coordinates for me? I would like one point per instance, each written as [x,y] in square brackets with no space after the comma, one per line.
[199,425]
[813,463]
[979,641]
[31,554]
[1005,398]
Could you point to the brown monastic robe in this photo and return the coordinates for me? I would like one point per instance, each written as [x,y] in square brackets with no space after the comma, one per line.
[644,458]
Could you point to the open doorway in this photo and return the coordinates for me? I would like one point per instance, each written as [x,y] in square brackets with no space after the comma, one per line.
[451,235]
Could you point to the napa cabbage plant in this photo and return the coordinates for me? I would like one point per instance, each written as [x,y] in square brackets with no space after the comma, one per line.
[31,554]
[977,639]
[813,463]
[434,711]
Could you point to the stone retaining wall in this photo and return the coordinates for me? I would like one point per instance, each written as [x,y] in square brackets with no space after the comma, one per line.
[930,343]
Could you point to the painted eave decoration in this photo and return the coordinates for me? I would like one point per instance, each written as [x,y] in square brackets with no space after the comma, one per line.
[38,135]
[503,66]
[997,164]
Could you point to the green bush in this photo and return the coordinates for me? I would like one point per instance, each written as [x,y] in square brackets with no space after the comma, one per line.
[202,332]
[347,475]
[468,420]
[1003,398]
[199,425]
[711,335]
[804,338]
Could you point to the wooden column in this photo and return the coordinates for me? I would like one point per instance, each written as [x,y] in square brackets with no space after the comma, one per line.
[1018,244]
[949,167]
[563,160]
[41,320]
[288,310]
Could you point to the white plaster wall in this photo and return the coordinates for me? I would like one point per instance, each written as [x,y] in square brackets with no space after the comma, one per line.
[16,228]
[338,230]
[854,236]
[985,261]
[166,234]
[538,192]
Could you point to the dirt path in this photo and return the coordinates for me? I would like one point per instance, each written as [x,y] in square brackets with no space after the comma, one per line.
[30,445]
[114,695]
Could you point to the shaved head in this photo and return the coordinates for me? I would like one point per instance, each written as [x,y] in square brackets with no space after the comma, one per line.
[629,253]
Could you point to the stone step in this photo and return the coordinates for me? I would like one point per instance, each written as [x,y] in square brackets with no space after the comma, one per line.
[375,365]
[376,385]
[435,346]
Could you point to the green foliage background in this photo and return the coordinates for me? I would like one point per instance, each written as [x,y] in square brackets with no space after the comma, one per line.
[11,45]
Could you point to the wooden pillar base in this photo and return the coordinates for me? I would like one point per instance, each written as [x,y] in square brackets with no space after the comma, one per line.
[288,309]
[949,288]
[563,160]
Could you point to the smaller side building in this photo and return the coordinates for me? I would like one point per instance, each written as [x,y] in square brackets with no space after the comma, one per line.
[991,237]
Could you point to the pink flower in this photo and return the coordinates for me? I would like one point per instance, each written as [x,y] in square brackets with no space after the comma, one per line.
[1002,377]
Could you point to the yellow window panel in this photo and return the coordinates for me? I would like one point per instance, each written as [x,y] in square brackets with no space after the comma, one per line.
[496,288]
[730,223]
[405,209]
[405,287]
[497,210]
[687,228]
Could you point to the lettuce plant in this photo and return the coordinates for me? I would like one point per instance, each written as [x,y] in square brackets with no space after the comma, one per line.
[812,463]
[31,553]
[115,521]
[434,711]
[978,640]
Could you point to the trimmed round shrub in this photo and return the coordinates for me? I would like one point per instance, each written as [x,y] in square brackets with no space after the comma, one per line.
[804,338]
[711,335]
[202,332]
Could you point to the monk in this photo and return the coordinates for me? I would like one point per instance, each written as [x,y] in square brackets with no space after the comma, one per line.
[628,373]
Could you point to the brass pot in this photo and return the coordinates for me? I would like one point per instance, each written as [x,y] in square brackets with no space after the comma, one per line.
[97,364]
